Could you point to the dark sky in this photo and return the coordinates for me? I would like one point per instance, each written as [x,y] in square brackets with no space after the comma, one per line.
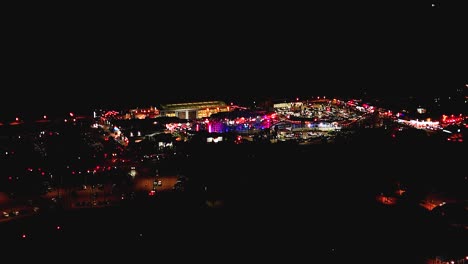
[143,55]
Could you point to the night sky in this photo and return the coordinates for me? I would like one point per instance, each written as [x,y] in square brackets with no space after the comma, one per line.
[138,57]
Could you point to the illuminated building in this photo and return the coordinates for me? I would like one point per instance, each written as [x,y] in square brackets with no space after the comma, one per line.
[144,113]
[195,110]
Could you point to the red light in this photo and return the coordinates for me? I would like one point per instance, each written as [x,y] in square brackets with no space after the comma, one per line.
[71,114]
[17,119]
[23,236]
[45,117]
[59,228]
[43,173]
[10,178]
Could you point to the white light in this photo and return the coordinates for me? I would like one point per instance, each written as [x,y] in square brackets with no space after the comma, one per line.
[433,5]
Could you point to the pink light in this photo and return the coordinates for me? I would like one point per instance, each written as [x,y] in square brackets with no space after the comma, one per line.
[23,236]
[17,119]
[58,227]
[45,117]
[209,128]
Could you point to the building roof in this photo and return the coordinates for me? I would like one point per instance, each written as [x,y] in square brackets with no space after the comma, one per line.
[194,105]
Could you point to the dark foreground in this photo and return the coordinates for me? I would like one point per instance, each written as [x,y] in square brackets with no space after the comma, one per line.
[280,203]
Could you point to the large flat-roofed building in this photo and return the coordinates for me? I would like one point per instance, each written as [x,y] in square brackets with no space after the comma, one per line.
[195,110]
